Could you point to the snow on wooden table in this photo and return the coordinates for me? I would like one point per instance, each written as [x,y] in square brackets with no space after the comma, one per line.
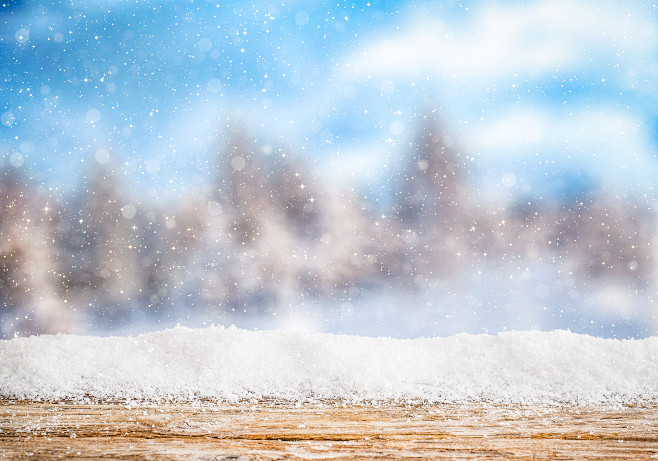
[268,430]
[228,364]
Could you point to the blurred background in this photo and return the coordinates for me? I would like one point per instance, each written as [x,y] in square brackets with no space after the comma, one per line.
[387,168]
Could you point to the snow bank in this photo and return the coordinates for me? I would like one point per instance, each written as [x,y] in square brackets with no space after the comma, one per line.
[231,364]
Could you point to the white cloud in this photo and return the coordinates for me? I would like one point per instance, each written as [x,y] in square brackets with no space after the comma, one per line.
[600,128]
[481,68]
[528,40]
[608,143]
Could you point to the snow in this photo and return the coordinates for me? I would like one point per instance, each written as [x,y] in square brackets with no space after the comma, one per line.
[230,364]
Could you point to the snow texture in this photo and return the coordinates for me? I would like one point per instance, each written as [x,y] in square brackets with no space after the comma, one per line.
[229,364]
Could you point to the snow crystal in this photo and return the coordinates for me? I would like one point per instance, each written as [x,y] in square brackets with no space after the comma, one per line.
[230,364]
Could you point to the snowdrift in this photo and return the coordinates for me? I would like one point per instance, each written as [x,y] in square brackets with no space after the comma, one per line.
[230,364]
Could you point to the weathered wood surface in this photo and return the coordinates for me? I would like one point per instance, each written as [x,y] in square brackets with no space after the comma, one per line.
[264,430]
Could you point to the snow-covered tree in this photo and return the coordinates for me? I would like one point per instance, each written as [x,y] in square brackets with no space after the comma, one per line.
[291,236]
[192,256]
[296,194]
[348,253]
[606,238]
[29,271]
[431,188]
[431,205]
[106,247]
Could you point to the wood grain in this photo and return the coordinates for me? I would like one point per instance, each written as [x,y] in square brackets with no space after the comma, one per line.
[269,430]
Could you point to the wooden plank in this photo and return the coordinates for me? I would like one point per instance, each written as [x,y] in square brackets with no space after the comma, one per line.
[268,430]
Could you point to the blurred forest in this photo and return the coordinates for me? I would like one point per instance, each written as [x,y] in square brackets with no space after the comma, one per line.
[270,232]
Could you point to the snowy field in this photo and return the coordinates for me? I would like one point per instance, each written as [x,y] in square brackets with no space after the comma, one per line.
[230,364]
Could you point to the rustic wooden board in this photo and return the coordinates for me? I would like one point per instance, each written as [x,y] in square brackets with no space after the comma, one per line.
[267,430]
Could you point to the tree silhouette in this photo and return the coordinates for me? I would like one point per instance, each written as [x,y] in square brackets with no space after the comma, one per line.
[431,185]
[29,271]
[430,204]
[107,248]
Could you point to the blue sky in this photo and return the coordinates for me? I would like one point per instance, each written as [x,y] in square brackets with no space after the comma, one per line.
[540,95]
